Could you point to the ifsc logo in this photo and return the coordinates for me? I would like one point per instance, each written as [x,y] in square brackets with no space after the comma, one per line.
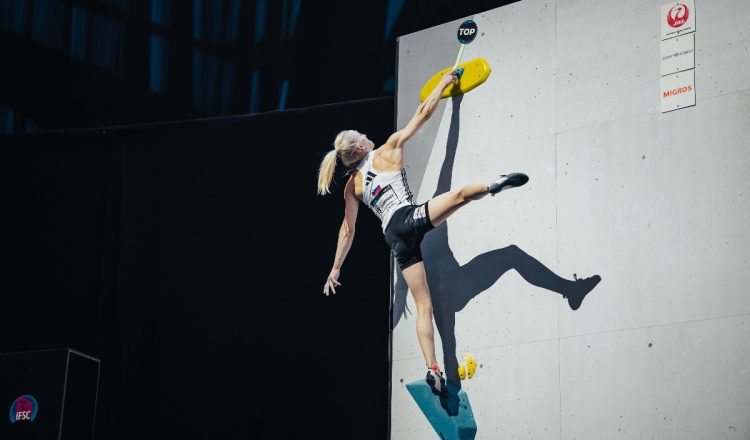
[24,409]
[678,15]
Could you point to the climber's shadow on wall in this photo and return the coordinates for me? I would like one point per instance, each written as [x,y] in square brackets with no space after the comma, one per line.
[452,285]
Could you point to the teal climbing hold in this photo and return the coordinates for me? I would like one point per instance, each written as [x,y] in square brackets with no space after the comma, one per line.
[449,415]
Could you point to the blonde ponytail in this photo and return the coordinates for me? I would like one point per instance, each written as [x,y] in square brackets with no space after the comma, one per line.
[325,174]
[345,147]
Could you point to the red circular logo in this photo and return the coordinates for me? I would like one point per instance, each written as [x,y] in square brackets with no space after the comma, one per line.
[678,15]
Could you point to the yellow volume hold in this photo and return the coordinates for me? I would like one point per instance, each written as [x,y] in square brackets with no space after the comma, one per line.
[468,368]
[475,73]
[471,365]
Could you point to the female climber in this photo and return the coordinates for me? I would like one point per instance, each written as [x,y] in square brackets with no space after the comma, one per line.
[378,180]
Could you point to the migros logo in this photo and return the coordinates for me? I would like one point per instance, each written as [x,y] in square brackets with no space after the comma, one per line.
[678,91]
[678,15]
[24,409]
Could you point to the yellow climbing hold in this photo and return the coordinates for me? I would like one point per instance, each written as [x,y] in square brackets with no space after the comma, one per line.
[471,364]
[468,368]
[475,73]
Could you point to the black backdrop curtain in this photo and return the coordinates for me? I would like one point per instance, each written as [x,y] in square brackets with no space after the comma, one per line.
[190,258]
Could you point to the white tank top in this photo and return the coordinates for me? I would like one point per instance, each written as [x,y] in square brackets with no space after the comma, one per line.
[384,192]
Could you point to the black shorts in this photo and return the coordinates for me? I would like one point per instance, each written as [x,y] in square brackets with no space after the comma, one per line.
[405,232]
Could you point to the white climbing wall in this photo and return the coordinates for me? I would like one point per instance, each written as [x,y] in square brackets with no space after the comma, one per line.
[657,204]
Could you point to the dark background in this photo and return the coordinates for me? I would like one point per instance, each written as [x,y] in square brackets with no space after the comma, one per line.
[86,63]
[167,252]
[142,222]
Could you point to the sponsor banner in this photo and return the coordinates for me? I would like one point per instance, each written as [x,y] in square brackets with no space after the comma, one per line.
[677,54]
[677,18]
[677,91]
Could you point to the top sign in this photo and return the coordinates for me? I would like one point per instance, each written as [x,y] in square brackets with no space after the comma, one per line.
[677,18]
[467,32]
